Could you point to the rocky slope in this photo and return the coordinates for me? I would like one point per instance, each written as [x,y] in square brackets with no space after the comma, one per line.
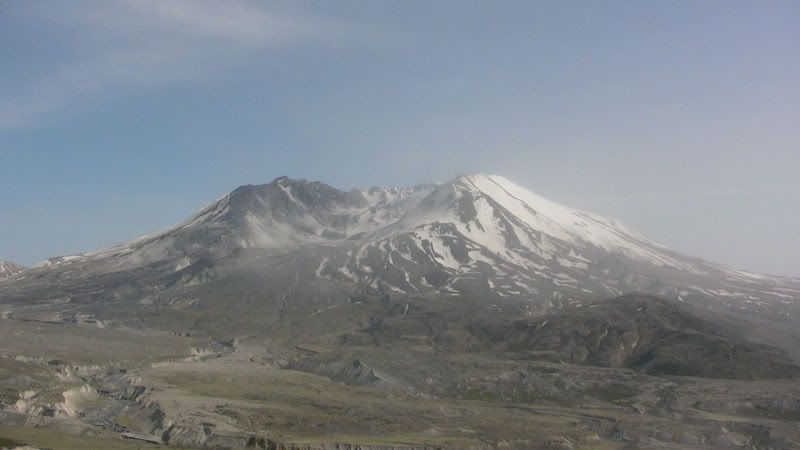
[8,269]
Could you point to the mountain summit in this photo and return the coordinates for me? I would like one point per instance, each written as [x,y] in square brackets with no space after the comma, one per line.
[476,235]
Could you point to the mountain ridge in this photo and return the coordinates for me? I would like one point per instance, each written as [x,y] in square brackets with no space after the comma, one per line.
[474,235]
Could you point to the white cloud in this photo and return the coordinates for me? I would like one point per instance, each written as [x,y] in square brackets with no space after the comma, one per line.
[146,44]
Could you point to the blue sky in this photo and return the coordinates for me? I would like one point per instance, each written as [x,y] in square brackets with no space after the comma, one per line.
[682,119]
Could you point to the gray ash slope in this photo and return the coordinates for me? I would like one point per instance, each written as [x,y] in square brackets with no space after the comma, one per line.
[307,246]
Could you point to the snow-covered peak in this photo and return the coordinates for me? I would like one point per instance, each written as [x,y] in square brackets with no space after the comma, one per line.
[558,220]
[489,210]
[495,212]
[476,232]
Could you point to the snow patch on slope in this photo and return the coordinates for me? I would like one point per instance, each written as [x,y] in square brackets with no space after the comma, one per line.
[8,269]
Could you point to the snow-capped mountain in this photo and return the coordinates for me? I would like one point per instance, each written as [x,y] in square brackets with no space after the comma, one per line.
[477,235]
[8,269]
[486,234]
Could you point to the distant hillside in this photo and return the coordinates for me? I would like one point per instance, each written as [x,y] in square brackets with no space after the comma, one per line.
[644,333]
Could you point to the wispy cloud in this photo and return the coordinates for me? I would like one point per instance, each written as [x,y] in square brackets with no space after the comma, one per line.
[147,44]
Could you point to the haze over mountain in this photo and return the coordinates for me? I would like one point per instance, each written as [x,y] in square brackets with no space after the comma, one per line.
[474,235]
